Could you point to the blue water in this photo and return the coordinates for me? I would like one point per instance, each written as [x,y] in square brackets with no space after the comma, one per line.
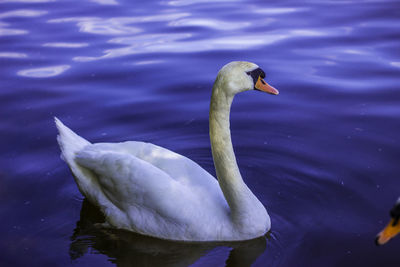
[322,156]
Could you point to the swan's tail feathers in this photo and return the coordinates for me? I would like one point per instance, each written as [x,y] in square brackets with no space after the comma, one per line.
[70,143]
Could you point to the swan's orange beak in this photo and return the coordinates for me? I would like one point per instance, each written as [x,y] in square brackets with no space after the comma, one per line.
[390,231]
[265,87]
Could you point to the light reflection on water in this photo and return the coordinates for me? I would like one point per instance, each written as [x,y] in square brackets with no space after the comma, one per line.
[66,45]
[44,72]
[22,13]
[186,43]
[12,55]
[105,2]
[195,2]
[322,156]
[116,26]
[26,1]
[5,31]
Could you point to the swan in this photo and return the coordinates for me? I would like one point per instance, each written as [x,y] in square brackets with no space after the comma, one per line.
[153,191]
[393,227]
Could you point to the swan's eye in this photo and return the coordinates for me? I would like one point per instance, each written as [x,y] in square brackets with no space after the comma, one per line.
[255,74]
[395,214]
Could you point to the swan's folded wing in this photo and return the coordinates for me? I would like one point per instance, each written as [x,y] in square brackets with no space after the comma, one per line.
[140,192]
[178,167]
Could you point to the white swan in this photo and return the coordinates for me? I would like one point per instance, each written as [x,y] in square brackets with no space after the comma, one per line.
[153,191]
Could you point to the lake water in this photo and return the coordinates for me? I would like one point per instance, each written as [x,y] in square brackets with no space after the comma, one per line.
[322,156]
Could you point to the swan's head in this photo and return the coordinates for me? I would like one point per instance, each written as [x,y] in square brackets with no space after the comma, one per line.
[393,228]
[240,76]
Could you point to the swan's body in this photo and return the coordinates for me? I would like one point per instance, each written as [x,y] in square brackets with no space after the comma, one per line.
[151,190]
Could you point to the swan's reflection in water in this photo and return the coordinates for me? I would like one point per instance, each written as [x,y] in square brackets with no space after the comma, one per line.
[129,249]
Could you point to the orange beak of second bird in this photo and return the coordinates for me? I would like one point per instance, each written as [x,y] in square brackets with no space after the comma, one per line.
[390,231]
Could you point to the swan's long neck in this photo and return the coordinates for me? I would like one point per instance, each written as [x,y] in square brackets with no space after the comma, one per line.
[240,199]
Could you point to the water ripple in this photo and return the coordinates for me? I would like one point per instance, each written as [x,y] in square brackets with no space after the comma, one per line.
[66,45]
[195,2]
[187,43]
[5,31]
[210,23]
[180,43]
[395,64]
[44,72]
[13,55]
[106,2]
[26,1]
[117,25]
[23,13]
[277,10]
